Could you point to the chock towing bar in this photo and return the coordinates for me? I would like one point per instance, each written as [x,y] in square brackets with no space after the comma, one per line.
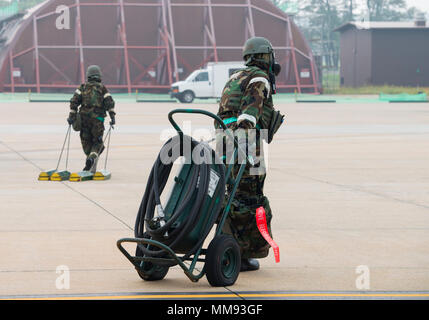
[81,176]
[55,175]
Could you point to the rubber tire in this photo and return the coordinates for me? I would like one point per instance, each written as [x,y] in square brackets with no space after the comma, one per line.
[179,97]
[153,272]
[187,97]
[221,270]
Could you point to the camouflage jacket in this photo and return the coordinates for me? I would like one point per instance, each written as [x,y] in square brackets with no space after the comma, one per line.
[94,100]
[247,96]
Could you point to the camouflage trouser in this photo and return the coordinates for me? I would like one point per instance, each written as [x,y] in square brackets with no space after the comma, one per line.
[91,135]
[241,220]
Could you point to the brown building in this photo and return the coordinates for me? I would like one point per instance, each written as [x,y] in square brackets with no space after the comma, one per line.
[384,53]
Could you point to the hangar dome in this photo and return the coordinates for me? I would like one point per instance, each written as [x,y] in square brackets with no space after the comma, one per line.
[145,44]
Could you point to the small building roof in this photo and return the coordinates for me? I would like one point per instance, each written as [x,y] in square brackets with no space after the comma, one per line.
[368,25]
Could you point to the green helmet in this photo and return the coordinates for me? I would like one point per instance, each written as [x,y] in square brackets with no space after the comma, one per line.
[257,45]
[93,71]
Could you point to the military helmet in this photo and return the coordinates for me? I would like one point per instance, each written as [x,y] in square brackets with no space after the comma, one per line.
[93,71]
[257,45]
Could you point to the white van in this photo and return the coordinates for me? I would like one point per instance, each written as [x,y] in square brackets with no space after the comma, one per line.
[205,83]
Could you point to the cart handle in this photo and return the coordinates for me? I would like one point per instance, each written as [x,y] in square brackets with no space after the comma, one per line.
[197,111]
[211,115]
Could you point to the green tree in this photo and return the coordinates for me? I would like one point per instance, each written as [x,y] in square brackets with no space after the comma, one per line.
[386,10]
[412,13]
[278,2]
[349,7]
[318,18]
[323,16]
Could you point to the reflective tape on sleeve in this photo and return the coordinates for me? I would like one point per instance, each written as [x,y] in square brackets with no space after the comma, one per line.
[247,117]
[261,222]
[264,81]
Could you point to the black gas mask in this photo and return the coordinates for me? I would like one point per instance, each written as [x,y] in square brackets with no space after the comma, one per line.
[275,69]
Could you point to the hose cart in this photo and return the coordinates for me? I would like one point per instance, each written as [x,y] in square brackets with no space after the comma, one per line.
[174,234]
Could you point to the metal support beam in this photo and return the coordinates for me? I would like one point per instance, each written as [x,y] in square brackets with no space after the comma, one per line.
[146,71]
[295,66]
[36,54]
[124,41]
[172,39]
[249,21]
[12,80]
[80,42]
[313,70]
[21,52]
[209,30]
[163,70]
[53,66]
[165,36]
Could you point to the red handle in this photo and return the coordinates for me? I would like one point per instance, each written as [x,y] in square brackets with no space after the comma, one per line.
[261,222]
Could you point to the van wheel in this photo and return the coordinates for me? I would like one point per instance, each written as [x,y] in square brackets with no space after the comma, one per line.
[187,97]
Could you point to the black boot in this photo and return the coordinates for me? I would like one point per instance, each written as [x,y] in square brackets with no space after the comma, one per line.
[249,265]
[88,164]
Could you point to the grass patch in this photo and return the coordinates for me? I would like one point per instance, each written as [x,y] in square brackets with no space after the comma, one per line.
[376,90]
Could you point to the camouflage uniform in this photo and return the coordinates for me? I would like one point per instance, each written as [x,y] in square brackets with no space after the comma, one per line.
[247,98]
[95,101]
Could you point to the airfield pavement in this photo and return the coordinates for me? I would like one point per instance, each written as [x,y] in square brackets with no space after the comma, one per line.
[348,185]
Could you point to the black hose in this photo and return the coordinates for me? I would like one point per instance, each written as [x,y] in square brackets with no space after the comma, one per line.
[198,184]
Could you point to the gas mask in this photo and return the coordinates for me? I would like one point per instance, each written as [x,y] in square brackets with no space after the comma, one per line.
[275,69]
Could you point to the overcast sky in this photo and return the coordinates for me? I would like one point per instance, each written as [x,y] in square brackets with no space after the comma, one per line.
[420,4]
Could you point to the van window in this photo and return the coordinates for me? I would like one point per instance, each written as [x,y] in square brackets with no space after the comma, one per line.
[234,70]
[203,76]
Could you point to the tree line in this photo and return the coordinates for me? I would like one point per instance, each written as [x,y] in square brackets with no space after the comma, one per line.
[318,18]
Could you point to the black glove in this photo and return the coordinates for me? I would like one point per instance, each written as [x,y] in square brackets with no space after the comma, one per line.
[112,121]
[71,119]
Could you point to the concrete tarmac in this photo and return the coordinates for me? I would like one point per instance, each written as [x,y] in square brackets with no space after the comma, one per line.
[348,185]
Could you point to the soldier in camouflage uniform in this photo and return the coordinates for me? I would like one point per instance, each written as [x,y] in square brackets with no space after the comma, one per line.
[95,101]
[247,103]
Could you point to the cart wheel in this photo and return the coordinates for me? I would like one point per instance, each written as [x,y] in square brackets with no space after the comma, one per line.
[223,261]
[150,271]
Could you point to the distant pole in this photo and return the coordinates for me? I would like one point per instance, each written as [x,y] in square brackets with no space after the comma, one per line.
[36,53]
[80,42]
[125,44]
[12,79]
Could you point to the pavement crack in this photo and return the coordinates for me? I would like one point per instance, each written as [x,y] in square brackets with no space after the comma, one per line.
[74,190]
[99,205]
[21,156]
[235,293]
